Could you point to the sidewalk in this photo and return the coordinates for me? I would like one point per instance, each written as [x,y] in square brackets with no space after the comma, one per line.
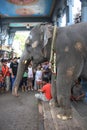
[78,122]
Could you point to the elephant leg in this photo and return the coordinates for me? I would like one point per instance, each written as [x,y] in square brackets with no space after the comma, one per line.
[64,83]
[66,74]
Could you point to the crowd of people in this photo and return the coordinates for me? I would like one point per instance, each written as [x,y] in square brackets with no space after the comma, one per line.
[38,79]
[32,79]
[8,71]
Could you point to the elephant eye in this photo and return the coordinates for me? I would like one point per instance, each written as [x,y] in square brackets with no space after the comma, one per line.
[29,45]
[32,58]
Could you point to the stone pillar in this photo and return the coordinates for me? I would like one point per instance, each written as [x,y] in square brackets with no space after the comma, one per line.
[83,10]
[54,20]
[59,21]
[69,17]
[10,42]
[0,36]
[60,17]
[4,33]
[11,38]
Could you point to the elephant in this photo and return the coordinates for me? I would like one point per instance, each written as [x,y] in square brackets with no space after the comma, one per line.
[71,59]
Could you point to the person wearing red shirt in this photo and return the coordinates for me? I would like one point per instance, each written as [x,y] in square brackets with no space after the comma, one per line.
[45,91]
[6,74]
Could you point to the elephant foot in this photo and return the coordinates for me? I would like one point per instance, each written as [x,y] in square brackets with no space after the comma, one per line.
[65,114]
[16,95]
[63,117]
[15,92]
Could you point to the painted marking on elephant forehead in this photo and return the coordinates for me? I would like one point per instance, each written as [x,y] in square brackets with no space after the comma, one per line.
[78,46]
[70,71]
[34,44]
[66,49]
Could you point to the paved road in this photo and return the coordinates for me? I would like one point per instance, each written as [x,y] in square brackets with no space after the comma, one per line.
[19,113]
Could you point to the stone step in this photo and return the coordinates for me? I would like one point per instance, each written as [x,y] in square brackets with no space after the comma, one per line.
[51,122]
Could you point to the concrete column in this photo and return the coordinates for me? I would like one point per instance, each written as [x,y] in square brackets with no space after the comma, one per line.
[59,21]
[55,20]
[4,33]
[11,38]
[69,17]
[83,10]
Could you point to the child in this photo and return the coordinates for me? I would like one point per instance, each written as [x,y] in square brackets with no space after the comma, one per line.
[38,77]
[24,81]
[45,91]
[30,77]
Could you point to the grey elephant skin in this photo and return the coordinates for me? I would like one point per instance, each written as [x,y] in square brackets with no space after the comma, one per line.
[71,57]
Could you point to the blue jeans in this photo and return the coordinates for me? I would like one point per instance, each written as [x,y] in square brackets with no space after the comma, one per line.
[12,80]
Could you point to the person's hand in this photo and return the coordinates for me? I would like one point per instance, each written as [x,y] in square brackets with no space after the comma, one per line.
[39,90]
[12,76]
[78,98]
[4,76]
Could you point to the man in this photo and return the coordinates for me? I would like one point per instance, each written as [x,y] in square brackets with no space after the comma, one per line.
[45,91]
[13,70]
[76,91]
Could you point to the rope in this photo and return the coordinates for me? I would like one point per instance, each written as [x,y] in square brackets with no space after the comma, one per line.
[54,63]
[52,45]
[53,54]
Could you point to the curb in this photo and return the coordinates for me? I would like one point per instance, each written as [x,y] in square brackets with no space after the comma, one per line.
[51,122]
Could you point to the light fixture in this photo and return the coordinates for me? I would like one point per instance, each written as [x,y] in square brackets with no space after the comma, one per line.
[28,26]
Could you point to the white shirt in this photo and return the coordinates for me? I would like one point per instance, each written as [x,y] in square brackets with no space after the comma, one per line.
[38,75]
[8,64]
[30,72]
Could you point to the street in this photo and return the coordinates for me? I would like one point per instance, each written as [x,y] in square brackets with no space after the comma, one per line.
[18,113]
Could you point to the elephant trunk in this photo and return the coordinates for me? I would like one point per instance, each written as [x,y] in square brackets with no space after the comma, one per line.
[23,64]
[21,68]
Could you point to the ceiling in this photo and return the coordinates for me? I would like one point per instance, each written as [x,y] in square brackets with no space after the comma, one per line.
[19,14]
[17,8]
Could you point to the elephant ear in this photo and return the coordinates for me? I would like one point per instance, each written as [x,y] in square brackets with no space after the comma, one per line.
[47,29]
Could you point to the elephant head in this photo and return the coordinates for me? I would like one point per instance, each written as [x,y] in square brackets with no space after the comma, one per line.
[38,44]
